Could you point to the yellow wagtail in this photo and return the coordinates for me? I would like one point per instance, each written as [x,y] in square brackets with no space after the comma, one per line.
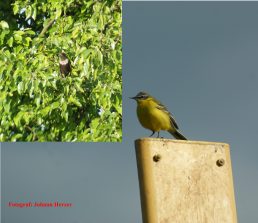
[155,116]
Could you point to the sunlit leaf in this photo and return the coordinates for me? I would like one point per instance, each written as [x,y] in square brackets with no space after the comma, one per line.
[28,12]
[4,25]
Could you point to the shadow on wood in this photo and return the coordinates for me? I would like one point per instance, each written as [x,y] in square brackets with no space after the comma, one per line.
[185,181]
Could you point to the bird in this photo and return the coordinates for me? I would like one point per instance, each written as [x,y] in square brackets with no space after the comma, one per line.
[154,116]
[64,64]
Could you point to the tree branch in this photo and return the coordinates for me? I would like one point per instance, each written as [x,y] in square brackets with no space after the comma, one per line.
[45,29]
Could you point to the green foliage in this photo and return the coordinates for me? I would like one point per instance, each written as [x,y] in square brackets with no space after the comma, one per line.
[39,104]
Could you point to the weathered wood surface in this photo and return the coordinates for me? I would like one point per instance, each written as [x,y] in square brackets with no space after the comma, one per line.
[185,181]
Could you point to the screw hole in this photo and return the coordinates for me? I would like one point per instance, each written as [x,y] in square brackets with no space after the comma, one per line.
[220,162]
[156,158]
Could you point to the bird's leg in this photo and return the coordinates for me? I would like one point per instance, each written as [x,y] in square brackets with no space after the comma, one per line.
[158,134]
[152,134]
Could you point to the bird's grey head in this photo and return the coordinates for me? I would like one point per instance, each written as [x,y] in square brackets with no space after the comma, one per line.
[62,56]
[141,96]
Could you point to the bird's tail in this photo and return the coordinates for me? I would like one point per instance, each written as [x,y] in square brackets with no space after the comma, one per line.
[177,135]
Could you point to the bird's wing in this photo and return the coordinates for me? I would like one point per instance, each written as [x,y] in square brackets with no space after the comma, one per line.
[163,108]
[173,121]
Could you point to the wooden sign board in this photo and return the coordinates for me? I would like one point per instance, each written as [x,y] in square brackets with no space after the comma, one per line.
[185,181]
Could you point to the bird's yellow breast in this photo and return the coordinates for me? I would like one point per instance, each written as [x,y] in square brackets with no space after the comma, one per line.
[151,117]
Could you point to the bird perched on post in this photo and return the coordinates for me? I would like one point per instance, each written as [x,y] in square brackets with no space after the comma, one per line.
[154,116]
[64,64]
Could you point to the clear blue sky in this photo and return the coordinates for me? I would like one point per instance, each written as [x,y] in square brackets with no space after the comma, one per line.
[200,60]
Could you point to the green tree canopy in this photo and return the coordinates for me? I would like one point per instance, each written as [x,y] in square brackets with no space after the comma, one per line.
[36,102]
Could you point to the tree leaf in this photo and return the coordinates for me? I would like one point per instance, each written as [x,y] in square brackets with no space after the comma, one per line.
[4,25]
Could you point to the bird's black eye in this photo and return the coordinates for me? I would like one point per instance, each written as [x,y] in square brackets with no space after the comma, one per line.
[143,96]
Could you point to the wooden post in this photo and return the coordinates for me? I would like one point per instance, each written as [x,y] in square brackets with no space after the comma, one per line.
[185,181]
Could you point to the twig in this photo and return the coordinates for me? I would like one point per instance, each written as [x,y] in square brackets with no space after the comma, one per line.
[44,30]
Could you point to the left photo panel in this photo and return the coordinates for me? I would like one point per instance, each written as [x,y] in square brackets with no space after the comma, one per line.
[61,71]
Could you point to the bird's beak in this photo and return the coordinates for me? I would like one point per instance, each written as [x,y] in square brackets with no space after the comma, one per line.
[133,97]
